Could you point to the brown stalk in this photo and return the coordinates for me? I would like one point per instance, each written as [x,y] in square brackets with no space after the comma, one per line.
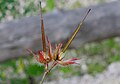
[64,49]
[47,72]
[42,30]
[74,33]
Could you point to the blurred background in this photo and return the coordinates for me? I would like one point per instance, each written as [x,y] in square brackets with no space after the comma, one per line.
[100,60]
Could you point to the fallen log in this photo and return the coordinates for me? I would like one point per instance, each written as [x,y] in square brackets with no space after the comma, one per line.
[18,35]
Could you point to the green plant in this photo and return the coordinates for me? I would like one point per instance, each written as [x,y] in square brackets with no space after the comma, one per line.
[95,68]
[34,70]
[50,4]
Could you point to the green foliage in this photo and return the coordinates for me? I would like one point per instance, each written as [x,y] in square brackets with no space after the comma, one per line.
[6,65]
[18,81]
[34,70]
[76,5]
[2,75]
[10,63]
[50,4]
[109,43]
[66,69]
[113,58]
[17,8]
[5,6]
[92,49]
[101,54]
[95,68]
[95,49]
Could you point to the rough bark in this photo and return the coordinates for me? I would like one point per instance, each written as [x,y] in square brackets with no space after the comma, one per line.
[18,35]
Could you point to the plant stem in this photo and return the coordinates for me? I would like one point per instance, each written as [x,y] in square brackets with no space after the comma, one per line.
[43,78]
[47,71]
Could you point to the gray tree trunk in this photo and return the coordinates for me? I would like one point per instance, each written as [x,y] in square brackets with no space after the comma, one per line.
[18,35]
